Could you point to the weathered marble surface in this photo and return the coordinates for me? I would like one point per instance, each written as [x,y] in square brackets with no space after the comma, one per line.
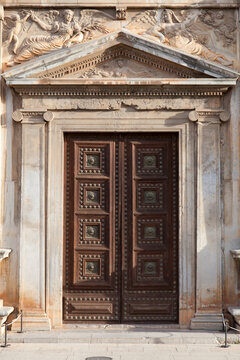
[51,95]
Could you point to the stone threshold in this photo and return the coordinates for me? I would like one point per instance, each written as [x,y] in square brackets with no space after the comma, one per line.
[131,335]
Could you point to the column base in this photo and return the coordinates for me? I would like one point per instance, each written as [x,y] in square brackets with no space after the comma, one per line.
[33,322]
[207,322]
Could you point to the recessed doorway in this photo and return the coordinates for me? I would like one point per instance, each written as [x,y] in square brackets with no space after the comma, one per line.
[121,228]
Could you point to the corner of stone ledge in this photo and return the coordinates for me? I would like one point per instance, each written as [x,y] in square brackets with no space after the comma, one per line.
[4,253]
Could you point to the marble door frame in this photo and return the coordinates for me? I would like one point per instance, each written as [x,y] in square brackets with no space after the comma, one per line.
[200,220]
[70,122]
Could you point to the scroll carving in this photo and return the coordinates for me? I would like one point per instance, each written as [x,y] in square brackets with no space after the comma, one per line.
[209,116]
[210,34]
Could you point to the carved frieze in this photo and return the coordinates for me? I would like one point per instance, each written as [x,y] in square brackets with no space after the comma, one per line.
[50,30]
[210,34]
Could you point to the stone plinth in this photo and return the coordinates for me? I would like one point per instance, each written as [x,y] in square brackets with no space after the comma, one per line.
[235,312]
[4,253]
[5,311]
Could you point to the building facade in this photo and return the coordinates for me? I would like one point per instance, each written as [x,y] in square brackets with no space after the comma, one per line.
[120,162]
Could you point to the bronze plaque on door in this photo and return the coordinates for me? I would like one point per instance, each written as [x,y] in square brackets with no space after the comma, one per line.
[121,228]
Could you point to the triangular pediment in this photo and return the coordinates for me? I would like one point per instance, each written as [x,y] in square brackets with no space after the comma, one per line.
[117,55]
[120,61]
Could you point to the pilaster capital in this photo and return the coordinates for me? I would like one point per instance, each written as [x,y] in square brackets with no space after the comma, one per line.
[209,116]
[32,116]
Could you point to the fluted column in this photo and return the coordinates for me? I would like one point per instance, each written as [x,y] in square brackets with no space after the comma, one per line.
[208,213]
[32,285]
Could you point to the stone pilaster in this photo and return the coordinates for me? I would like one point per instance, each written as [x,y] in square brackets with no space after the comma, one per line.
[1,26]
[208,233]
[32,238]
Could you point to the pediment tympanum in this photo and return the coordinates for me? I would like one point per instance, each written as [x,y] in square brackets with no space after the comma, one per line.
[120,61]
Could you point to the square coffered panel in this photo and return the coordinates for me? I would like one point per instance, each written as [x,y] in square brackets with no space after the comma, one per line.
[150,161]
[92,231]
[150,231]
[150,267]
[92,195]
[92,160]
[150,195]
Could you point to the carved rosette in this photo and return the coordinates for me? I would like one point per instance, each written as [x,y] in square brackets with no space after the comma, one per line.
[32,116]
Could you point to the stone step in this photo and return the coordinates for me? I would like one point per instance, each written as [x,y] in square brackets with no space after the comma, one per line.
[122,337]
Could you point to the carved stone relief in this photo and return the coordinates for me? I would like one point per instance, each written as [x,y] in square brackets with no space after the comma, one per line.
[121,67]
[210,34]
[57,29]
[190,31]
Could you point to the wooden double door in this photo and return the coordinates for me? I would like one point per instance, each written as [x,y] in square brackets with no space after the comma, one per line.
[121,228]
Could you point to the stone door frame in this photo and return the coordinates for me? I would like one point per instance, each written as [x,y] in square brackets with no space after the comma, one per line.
[71,122]
[200,212]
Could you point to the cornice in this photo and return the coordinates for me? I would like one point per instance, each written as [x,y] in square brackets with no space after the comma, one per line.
[120,3]
[121,90]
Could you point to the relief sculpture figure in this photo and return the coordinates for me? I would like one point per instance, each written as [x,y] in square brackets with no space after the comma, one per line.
[13,26]
[224,31]
[168,29]
[63,33]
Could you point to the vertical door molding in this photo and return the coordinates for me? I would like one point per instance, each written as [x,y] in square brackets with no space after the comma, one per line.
[32,237]
[208,232]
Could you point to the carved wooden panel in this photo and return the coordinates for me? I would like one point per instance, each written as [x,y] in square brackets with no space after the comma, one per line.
[150,262]
[91,275]
[121,228]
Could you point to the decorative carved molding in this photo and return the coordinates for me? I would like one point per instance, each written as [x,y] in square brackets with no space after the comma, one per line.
[209,116]
[29,33]
[120,91]
[120,51]
[121,13]
[32,116]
